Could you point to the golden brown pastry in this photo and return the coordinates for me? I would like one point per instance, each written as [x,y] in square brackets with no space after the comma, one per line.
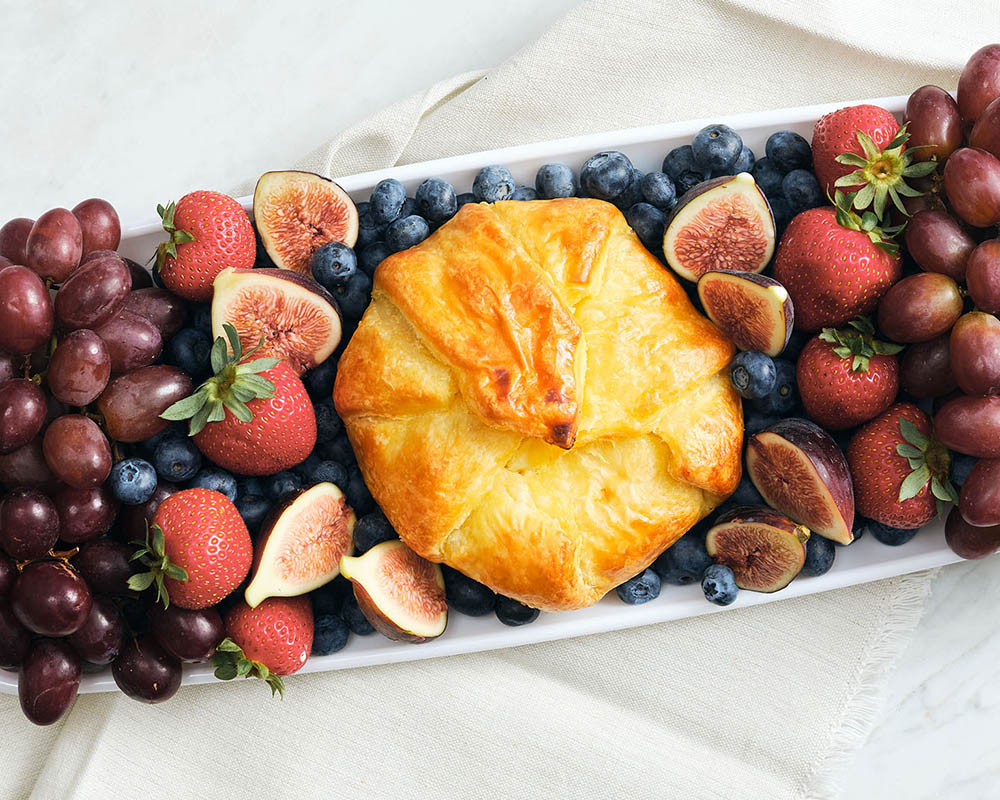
[534,401]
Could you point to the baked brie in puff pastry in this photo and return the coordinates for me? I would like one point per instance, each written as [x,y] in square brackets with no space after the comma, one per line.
[534,401]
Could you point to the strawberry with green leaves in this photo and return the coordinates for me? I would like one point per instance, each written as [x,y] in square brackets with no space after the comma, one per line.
[269,641]
[208,232]
[254,416]
[847,376]
[899,471]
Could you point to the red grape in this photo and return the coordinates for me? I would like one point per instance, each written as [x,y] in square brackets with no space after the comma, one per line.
[29,524]
[51,598]
[979,502]
[10,366]
[132,341]
[920,307]
[134,520]
[49,681]
[106,566]
[986,132]
[55,245]
[23,407]
[8,572]
[93,255]
[970,425]
[14,240]
[85,514]
[133,402]
[975,353]
[94,294]
[189,636]
[970,541]
[972,183]
[983,276]
[79,368]
[164,309]
[925,369]
[15,639]
[146,672]
[77,451]
[26,317]
[26,466]
[936,241]
[935,125]
[979,84]
[102,230]
[100,639]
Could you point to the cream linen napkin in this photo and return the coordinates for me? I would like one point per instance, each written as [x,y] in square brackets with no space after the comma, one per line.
[764,702]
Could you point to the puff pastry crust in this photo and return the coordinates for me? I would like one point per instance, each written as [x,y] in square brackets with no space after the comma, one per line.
[534,401]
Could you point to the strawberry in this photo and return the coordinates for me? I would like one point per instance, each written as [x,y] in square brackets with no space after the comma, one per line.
[266,642]
[900,472]
[835,264]
[208,232]
[198,550]
[862,150]
[254,417]
[846,377]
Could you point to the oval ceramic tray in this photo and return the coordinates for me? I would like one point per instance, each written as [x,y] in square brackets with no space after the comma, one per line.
[866,560]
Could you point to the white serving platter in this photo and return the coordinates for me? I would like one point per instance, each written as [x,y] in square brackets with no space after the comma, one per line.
[865,560]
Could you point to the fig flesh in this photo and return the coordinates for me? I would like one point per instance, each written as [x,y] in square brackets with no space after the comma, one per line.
[301,544]
[400,593]
[764,549]
[297,318]
[722,224]
[296,213]
[753,310]
[800,471]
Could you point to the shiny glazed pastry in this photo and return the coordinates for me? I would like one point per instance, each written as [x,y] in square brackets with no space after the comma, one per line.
[534,401]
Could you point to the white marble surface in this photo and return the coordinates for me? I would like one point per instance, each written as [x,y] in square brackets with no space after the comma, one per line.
[139,106]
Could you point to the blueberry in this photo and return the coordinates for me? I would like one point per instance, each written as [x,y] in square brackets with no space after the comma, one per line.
[755,421]
[802,190]
[510,612]
[330,634]
[961,465]
[254,509]
[372,256]
[357,494]
[337,449]
[716,147]
[281,483]
[793,348]
[465,198]
[218,480]
[555,180]
[859,527]
[606,175]
[386,201]
[327,472]
[353,299]
[688,181]
[658,190]
[744,161]
[189,349]
[201,317]
[782,212]
[467,596]
[176,459]
[333,265]
[328,422]
[648,222]
[523,193]
[368,229]
[785,395]
[356,621]
[372,529]
[133,481]
[682,168]
[820,553]
[148,446]
[436,200]
[788,151]
[767,177]
[329,598]
[319,380]
[632,193]
[746,493]
[406,232]
[158,280]
[719,585]
[492,184]
[893,537]
[752,374]
[686,560]
[249,485]
[640,589]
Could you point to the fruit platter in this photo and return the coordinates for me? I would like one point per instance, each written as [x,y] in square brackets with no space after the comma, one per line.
[501,398]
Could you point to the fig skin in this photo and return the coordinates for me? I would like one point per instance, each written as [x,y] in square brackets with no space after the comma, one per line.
[727,526]
[828,463]
[767,294]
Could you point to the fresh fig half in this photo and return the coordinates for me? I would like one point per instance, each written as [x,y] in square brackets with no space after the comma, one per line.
[753,310]
[297,318]
[301,544]
[800,471]
[721,224]
[296,213]
[400,593]
[764,549]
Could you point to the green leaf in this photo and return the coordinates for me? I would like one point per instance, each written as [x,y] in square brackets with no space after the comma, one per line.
[244,666]
[909,451]
[257,365]
[899,139]
[234,340]
[912,434]
[241,393]
[186,408]
[238,409]
[881,197]
[939,491]
[869,222]
[199,420]
[227,645]
[851,160]
[828,335]
[914,482]
[843,352]
[226,672]
[865,197]
[853,179]
[218,412]
[158,540]
[176,572]
[897,201]
[220,355]
[140,582]
[277,686]
[906,190]
[859,364]
[182,237]
[868,145]
[886,348]
[920,169]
